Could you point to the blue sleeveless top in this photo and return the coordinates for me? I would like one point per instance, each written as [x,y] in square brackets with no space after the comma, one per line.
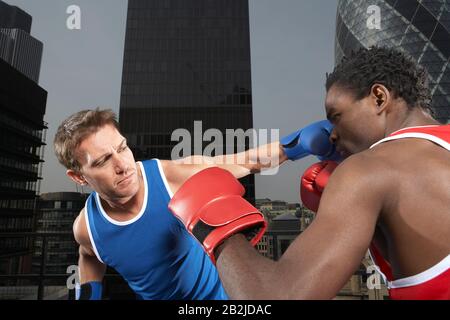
[153,251]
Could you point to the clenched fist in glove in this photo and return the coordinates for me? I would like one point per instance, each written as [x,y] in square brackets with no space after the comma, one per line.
[211,207]
[313,182]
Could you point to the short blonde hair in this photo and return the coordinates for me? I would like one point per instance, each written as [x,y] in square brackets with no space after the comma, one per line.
[75,129]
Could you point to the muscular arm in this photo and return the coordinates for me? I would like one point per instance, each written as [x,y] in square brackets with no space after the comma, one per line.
[320,261]
[90,268]
[252,161]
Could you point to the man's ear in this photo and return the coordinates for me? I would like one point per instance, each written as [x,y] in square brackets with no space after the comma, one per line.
[76,176]
[381,97]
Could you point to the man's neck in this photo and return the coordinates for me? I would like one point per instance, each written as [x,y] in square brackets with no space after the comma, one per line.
[126,207]
[415,117]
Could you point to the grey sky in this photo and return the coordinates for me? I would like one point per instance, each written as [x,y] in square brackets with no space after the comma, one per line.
[292,44]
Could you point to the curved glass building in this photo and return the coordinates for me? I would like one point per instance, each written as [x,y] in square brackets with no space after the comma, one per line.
[420,28]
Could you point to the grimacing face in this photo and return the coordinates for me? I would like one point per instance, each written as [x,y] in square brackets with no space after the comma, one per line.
[108,165]
[357,123]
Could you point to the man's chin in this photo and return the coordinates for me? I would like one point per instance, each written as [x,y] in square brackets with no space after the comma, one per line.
[126,193]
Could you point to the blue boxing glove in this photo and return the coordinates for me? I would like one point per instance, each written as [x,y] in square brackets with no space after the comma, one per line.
[89,291]
[311,140]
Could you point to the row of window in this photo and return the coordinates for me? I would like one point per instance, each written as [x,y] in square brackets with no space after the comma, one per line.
[55,225]
[7,224]
[20,185]
[161,34]
[61,244]
[132,101]
[150,11]
[9,121]
[9,244]
[18,143]
[178,92]
[59,215]
[27,204]
[166,27]
[14,163]
[158,121]
[180,79]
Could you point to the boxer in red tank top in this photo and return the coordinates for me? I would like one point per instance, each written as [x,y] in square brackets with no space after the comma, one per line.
[433,283]
[391,191]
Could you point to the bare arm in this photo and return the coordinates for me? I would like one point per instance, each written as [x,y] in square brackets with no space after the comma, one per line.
[91,269]
[252,161]
[320,261]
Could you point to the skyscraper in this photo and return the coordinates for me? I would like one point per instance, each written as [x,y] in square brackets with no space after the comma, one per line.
[22,141]
[57,212]
[12,17]
[185,61]
[17,46]
[419,28]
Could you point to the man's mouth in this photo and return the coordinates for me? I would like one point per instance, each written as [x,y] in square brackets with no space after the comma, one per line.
[125,179]
[343,152]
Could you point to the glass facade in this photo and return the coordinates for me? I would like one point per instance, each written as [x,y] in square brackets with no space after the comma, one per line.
[12,17]
[185,61]
[420,28]
[22,141]
[17,46]
[57,212]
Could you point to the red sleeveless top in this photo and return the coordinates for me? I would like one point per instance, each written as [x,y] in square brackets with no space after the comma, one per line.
[433,283]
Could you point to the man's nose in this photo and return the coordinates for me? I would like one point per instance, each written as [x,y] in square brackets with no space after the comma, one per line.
[120,164]
[333,136]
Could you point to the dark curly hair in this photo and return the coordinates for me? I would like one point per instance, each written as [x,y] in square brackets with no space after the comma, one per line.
[402,76]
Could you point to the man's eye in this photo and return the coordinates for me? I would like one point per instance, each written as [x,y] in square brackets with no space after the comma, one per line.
[102,163]
[335,117]
[99,164]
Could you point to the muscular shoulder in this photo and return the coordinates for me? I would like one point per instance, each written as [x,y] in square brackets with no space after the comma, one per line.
[80,231]
[170,169]
[365,167]
[177,172]
[361,181]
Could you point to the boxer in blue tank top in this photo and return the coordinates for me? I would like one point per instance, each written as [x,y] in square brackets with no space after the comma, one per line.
[126,223]
[153,250]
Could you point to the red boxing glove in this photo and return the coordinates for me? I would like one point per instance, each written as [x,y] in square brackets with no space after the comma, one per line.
[313,182]
[212,209]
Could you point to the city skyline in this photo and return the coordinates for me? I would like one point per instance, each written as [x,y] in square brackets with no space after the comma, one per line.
[82,69]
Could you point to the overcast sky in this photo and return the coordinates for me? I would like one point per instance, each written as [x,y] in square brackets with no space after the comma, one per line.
[292,47]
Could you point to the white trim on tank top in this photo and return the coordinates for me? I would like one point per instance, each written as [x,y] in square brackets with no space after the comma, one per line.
[94,247]
[422,277]
[163,177]
[425,136]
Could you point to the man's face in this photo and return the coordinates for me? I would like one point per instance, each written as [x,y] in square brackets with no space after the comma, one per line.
[357,123]
[108,165]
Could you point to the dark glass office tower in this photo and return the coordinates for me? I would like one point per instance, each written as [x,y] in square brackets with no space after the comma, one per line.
[185,61]
[57,212]
[420,28]
[17,46]
[12,17]
[22,141]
